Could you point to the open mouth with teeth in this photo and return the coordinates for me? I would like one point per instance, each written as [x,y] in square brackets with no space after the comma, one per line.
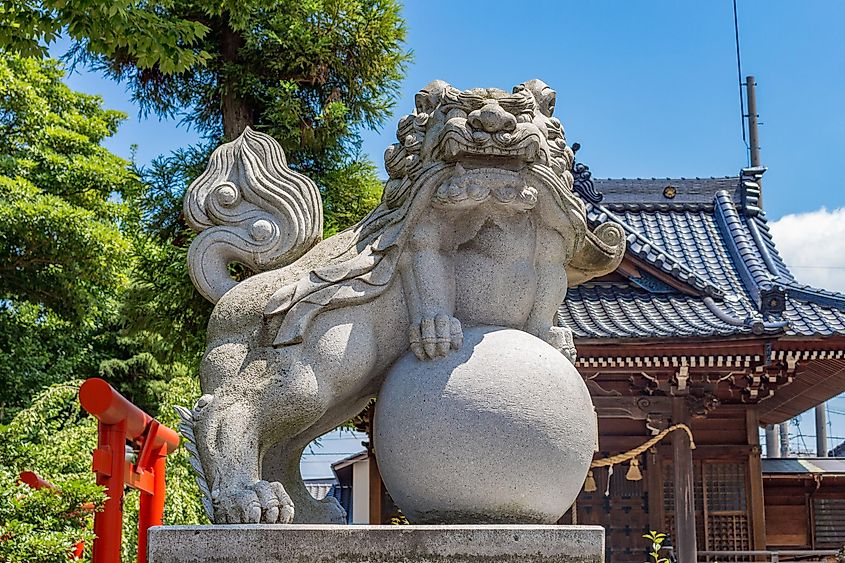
[499,150]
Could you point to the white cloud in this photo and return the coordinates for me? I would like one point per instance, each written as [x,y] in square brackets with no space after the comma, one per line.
[813,246]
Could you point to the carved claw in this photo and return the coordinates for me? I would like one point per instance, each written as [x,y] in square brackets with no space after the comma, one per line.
[434,336]
[263,502]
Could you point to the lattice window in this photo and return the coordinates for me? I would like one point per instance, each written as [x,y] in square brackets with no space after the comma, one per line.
[668,500]
[727,511]
[725,486]
[621,487]
[830,522]
[728,532]
[719,491]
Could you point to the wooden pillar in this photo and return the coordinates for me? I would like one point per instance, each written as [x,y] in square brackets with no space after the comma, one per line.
[376,490]
[685,546]
[656,516]
[756,507]
[376,485]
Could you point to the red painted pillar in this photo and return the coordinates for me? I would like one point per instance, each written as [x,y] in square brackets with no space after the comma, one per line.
[152,505]
[110,465]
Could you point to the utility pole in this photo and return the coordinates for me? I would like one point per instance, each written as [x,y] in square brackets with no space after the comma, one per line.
[783,427]
[772,441]
[821,430]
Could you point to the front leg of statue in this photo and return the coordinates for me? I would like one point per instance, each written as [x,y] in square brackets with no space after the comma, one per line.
[551,290]
[428,277]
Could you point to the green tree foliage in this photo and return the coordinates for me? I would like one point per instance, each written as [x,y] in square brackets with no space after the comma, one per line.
[310,73]
[63,226]
[352,192]
[44,525]
[54,438]
[142,30]
[162,307]
[60,243]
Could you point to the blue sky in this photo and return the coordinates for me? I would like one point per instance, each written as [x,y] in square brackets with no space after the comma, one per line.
[649,89]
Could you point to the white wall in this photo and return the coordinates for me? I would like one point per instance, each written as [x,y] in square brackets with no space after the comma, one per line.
[361,492]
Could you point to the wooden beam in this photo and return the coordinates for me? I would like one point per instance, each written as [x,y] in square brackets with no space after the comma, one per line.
[685,545]
[710,346]
[636,408]
[755,480]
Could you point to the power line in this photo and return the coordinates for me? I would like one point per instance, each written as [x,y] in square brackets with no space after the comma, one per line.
[739,79]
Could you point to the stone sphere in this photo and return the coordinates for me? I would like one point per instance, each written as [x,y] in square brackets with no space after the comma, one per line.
[501,431]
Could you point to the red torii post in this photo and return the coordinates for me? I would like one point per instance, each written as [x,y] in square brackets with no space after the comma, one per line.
[119,422]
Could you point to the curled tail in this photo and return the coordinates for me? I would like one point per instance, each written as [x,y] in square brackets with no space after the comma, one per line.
[250,208]
[186,427]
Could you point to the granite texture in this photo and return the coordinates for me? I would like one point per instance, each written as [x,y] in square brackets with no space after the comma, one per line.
[375,544]
[478,225]
[506,414]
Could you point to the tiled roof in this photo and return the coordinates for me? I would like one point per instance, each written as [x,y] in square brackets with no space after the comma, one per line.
[711,238]
[803,465]
[321,489]
[619,310]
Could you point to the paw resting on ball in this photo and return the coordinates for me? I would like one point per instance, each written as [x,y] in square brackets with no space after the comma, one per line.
[561,338]
[434,336]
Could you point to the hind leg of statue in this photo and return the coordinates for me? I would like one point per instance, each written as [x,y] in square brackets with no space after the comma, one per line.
[283,464]
[246,416]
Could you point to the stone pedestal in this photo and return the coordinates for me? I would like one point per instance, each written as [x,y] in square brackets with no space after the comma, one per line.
[376,544]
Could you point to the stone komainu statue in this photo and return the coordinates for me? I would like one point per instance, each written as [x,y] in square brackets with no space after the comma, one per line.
[478,225]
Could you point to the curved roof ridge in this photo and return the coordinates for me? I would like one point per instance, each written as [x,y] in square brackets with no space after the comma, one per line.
[742,247]
[819,296]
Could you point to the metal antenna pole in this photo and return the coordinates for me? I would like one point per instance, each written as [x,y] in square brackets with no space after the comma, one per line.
[753,137]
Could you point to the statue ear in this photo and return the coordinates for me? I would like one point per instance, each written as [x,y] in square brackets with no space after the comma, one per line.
[543,95]
[429,97]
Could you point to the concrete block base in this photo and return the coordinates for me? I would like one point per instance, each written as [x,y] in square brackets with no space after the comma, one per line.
[375,544]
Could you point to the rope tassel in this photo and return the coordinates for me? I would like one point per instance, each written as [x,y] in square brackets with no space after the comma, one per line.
[634,473]
[590,483]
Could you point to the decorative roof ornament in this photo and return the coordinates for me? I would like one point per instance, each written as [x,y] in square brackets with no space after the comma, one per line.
[584,185]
